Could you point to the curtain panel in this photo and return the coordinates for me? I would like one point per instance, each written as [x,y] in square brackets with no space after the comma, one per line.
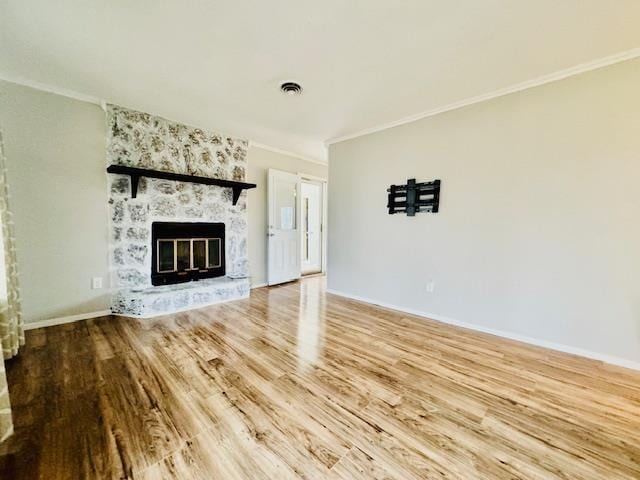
[11,323]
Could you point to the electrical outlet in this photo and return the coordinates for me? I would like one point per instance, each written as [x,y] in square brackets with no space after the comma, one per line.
[96,282]
[431,286]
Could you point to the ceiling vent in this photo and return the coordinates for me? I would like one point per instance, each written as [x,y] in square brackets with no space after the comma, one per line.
[291,88]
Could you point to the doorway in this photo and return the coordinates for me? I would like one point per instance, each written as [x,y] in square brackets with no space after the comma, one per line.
[284,227]
[312,222]
[296,235]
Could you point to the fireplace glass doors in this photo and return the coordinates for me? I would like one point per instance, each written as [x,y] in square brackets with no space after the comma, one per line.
[186,251]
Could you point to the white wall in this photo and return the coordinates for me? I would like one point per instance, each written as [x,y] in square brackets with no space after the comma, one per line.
[260,160]
[55,149]
[538,233]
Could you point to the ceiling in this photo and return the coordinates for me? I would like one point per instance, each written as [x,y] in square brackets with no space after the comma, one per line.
[362,63]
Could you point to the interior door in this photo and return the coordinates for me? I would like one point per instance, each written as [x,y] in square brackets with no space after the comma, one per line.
[311,213]
[283,231]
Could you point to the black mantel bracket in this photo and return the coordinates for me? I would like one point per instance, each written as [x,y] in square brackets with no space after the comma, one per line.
[136,173]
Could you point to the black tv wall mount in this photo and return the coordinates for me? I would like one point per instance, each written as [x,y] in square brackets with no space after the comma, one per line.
[414,197]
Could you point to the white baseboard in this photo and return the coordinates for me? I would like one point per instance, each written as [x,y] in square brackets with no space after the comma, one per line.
[50,322]
[259,285]
[621,362]
[69,319]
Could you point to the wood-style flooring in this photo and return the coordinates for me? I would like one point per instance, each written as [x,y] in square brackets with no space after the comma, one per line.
[297,383]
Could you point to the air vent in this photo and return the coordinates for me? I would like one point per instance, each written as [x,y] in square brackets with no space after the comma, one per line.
[291,88]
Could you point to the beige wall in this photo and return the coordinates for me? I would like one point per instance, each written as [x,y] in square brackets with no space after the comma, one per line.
[538,233]
[260,160]
[55,149]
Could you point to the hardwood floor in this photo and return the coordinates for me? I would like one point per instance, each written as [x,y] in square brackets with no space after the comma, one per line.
[297,383]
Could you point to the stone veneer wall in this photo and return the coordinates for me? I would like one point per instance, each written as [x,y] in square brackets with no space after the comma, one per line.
[141,140]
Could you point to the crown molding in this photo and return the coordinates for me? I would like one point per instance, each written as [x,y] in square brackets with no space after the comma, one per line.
[102,103]
[286,152]
[536,82]
[51,89]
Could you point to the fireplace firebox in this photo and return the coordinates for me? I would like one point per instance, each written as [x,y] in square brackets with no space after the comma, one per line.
[182,252]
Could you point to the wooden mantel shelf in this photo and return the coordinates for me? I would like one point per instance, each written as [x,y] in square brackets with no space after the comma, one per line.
[136,173]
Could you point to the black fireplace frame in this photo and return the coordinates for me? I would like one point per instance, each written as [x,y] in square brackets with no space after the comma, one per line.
[185,230]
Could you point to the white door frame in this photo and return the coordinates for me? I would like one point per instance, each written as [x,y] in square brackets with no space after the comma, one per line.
[324,188]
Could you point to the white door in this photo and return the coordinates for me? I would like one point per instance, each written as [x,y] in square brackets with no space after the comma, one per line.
[311,213]
[284,227]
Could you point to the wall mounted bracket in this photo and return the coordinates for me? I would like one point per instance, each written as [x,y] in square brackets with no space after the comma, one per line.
[414,197]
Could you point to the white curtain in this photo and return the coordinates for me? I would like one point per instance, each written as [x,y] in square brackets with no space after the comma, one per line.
[11,325]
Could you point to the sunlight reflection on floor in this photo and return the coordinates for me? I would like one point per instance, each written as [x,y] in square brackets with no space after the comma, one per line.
[310,324]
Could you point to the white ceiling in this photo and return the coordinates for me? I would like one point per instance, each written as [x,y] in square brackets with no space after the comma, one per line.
[362,63]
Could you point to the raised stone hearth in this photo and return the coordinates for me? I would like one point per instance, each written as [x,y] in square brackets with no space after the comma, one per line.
[140,140]
[154,301]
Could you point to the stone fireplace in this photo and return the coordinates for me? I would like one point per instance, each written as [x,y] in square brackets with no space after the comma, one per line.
[177,245]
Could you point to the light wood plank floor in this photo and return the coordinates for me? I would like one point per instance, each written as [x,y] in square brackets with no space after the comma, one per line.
[296,383]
